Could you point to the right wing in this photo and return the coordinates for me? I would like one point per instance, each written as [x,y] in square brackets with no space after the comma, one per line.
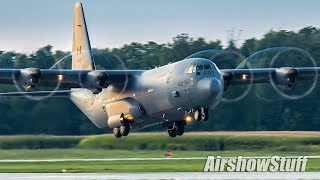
[37,94]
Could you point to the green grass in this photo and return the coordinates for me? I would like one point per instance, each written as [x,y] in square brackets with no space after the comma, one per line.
[100,153]
[123,166]
[119,166]
[38,141]
[209,141]
[106,166]
[197,141]
[152,145]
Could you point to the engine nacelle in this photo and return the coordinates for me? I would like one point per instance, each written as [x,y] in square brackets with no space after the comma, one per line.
[28,78]
[227,76]
[95,81]
[285,78]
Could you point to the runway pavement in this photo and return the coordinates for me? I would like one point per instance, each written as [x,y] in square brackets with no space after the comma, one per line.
[154,176]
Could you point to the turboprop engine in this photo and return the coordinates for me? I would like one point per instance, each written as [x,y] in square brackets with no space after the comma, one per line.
[285,77]
[27,78]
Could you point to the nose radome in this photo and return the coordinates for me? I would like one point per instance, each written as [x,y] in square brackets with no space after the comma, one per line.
[208,90]
[209,86]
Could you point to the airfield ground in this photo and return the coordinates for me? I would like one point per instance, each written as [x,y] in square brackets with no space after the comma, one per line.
[99,147]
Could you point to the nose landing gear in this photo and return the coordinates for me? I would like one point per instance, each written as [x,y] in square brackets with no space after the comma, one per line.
[201,113]
[204,114]
[196,114]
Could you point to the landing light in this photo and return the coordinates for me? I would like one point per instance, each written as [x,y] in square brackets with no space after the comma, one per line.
[60,77]
[188,119]
[244,76]
[128,117]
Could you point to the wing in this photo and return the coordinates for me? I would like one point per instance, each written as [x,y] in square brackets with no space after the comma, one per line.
[279,76]
[90,79]
[37,94]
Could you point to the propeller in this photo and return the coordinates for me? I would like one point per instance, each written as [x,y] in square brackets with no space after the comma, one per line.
[95,80]
[284,80]
[27,79]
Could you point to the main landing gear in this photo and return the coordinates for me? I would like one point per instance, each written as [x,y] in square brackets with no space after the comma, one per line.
[122,130]
[176,129]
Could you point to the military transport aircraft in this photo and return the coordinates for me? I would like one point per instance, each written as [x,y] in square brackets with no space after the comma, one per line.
[123,100]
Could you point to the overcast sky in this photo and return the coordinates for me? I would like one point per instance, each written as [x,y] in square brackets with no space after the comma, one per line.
[27,25]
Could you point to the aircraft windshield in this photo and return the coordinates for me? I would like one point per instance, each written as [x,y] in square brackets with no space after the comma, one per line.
[193,68]
[199,67]
[207,66]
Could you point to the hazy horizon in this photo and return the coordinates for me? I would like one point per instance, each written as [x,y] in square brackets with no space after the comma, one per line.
[29,25]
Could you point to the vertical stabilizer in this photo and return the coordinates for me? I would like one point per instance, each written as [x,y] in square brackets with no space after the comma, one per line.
[82,58]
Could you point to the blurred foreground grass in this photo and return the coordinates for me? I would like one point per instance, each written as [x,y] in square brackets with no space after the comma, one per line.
[196,141]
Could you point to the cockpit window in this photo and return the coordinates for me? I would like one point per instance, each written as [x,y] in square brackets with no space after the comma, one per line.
[194,68]
[207,66]
[199,67]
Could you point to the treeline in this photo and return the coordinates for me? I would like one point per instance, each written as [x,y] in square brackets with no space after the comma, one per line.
[257,111]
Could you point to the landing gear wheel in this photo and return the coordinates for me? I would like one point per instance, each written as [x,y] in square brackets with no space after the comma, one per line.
[196,115]
[179,128]
[172,131]
[125,129]
[204,114]
[116,132]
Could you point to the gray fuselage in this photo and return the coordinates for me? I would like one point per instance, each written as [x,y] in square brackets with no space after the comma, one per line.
[159,95]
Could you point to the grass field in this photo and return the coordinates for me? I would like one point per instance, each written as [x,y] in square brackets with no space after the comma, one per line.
[123,166]
[150,145]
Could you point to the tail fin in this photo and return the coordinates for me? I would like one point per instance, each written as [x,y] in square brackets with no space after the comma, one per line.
[82,58]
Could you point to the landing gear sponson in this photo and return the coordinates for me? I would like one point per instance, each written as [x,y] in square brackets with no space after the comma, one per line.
[175,129]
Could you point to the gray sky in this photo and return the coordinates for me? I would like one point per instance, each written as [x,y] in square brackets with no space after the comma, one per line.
[27,25]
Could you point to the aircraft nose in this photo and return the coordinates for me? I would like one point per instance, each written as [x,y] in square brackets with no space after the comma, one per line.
[209,90]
